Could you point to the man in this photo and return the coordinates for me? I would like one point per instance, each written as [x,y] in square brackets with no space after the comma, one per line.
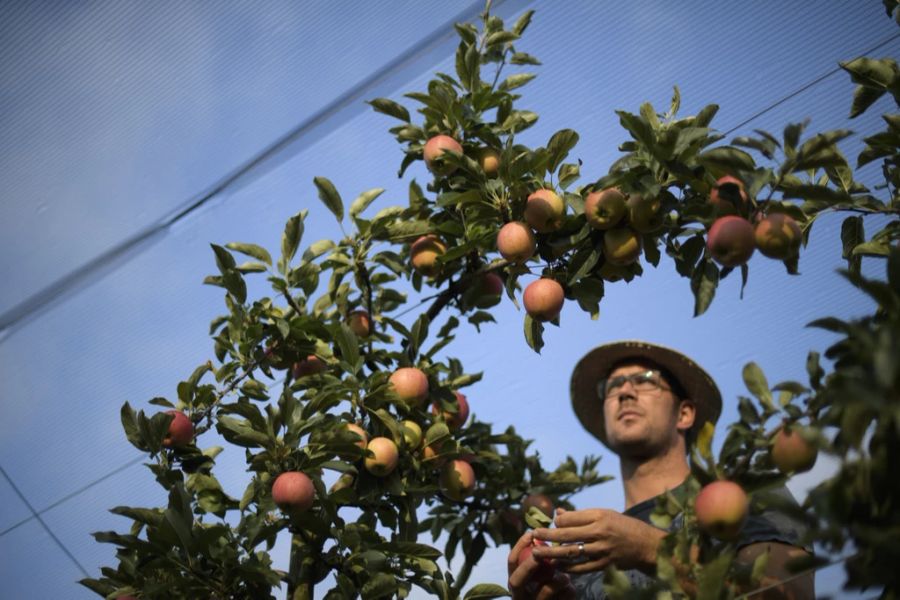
[645,403]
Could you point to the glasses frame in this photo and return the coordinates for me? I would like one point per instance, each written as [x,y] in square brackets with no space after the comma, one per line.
[654,373]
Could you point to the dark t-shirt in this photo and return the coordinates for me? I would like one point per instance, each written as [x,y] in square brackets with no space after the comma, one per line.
[769,525]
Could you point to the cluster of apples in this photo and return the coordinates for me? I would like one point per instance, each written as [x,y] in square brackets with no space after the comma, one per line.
[732,239]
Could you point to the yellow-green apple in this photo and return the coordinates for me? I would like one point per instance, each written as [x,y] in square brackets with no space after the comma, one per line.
[731,241]
[544,210]
[644,214]
[604,209]
[384,456]
[791,453]
[181,430]
[729,196]
[293,492]
[484,291]
[424,254]
[311,365]
[410,385]
[489,159]
[457,479]
[541,501]
[359,323]
[457,419]
[622,246]
[412,433]
[434,154]
[545,570]
[516,242]
[778,236]
[721,509]
[543,299]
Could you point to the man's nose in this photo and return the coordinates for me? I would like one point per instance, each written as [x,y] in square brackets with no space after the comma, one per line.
[626,391]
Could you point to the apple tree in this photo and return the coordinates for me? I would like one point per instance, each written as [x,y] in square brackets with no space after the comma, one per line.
[339,388]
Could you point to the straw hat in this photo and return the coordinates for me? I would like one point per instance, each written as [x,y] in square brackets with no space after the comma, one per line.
[597,364]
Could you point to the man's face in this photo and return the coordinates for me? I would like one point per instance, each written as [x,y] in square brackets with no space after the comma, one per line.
[645,420]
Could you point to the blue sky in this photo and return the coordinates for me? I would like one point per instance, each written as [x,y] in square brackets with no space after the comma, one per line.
[113,115]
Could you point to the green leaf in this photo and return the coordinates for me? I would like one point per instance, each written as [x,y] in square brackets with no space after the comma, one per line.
[523,58]
[852,234]
[364,200]
[704,281]
[712,577]
[522,22]
[390,108]
[559,146]
[129,424]
[290,240]
[224,259]
[534,331]
[484,591]
[675,105]
[330,197]
[638,127]
[756,382]
[727,158]
[516,81]
[257,252]
[379,585]
[239,432]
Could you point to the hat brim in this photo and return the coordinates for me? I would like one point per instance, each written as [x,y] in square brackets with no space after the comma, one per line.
[596,365]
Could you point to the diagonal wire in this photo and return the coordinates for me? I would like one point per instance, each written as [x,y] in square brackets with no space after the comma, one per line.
[71,495]
[129,248]
[35,515]
[809,85]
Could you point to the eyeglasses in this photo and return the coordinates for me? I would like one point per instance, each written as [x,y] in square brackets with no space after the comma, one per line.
[643,382]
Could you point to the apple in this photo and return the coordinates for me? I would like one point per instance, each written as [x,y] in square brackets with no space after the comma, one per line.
[622,246]
[457,419]
[483,290]
[489,159]
[384,456]
[644,213]
[424,253]
[729,196]
[434,154]
[791,453]
[360,432]
[311,365]
[721,509]
[544,211]
[731,241]
[545,570]
[778,236]
[543,299]
[359,323]
[412,433]
[181,430]
[516,242]
[410,385]
[293,492]
[604,209]
[541,501]
[457,480]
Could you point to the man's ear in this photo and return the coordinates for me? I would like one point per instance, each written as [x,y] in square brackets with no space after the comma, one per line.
[687,412]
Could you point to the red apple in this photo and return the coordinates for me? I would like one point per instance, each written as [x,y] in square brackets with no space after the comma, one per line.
[484,291]
[604,209]
[543,299]
[360,432]
[181,430]
[384,456]
[731,241]
[721,509]
[434,154]
[457,419]
[410,385]
[644,214]
[729,196]
[457,480]
[360,323]
[424,254]
[791,453]
[311,365]
[293,492]
[544,211]
[516,242]
[778,236]
[545,570]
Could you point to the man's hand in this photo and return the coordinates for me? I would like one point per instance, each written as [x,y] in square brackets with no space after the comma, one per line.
[609,538]
[520,585]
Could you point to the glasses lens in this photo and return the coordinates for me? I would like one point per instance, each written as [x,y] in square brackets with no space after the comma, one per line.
[646,381]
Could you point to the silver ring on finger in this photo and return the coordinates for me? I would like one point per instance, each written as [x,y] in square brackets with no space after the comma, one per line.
[580,549]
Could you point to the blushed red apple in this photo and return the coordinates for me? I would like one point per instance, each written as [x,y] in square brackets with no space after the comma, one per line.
[731,241]
[543,299]
[410,385]
[293,492]
[544,210]
[181,430]
[434,154]
[721,508]
[516,242]
[384,456]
